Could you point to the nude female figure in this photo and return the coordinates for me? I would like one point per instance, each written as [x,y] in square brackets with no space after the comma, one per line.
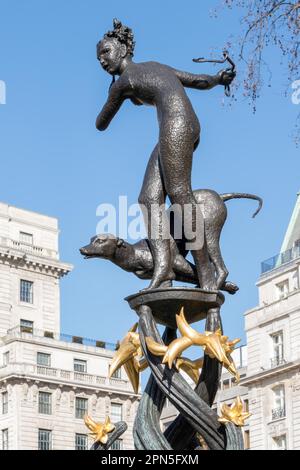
[169,169]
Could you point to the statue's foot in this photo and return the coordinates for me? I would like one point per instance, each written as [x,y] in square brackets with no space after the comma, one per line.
[161,283]
[166,284]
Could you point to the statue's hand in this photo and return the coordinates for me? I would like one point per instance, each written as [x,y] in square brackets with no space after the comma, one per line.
[226,77]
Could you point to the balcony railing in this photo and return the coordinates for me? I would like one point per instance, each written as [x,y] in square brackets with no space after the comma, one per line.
[277,361]
[20,332]
[28,248]
[278,413]
[69,376]
[280,259]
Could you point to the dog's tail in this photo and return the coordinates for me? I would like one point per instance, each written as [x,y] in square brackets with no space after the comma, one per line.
[228,196]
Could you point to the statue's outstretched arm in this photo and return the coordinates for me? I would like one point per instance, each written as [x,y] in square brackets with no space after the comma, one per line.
[200,82]
[204,82]
[111,107]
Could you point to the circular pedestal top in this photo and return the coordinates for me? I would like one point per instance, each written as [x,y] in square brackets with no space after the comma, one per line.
[166,303]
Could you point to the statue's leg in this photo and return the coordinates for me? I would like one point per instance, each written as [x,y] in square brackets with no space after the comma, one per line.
[176,147]
[217,259]
[152,200]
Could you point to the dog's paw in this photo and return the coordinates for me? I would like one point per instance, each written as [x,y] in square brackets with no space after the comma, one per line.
[230,287]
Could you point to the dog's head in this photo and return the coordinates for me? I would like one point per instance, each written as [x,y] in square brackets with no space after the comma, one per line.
[102,246]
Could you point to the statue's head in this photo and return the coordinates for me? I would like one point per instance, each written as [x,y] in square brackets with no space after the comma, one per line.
[115,46]
[102,246]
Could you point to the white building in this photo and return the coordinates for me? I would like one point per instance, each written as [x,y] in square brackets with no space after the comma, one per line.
[48,380]
[273,338]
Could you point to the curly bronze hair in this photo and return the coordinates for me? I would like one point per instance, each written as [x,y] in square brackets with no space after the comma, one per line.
[123,34]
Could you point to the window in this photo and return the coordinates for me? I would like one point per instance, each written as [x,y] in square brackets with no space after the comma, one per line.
[297,248]
[4,403]
[117,374]
[280,443]
[26,291]
[45,439]
[117,445]
[6,358]
[43,359]
[81,442]
[279,403]
[80,366]
[246,406]
[49,334]
[26,238]
[295,280]
[226,384]
[26,326]
[5,439]
[246,440]
[277,340]
[81,406]
[282,289]
[116,412]
[45,403]
[279,396]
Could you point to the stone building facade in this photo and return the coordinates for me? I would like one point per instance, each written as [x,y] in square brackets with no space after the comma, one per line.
[48,380]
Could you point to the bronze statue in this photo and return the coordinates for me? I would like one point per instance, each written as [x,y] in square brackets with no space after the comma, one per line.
[162,258]
[170,165]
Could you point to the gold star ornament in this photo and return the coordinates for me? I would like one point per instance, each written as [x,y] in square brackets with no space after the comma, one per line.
[215,345]
[99,431]
[234,413]
[129,355]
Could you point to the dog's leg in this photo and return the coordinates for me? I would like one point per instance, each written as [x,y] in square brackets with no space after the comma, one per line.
[217,260]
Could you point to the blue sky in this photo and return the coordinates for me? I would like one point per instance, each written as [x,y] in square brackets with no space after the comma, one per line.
[54,161]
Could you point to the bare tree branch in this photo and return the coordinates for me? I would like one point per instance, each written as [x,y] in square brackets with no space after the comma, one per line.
[268,23]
